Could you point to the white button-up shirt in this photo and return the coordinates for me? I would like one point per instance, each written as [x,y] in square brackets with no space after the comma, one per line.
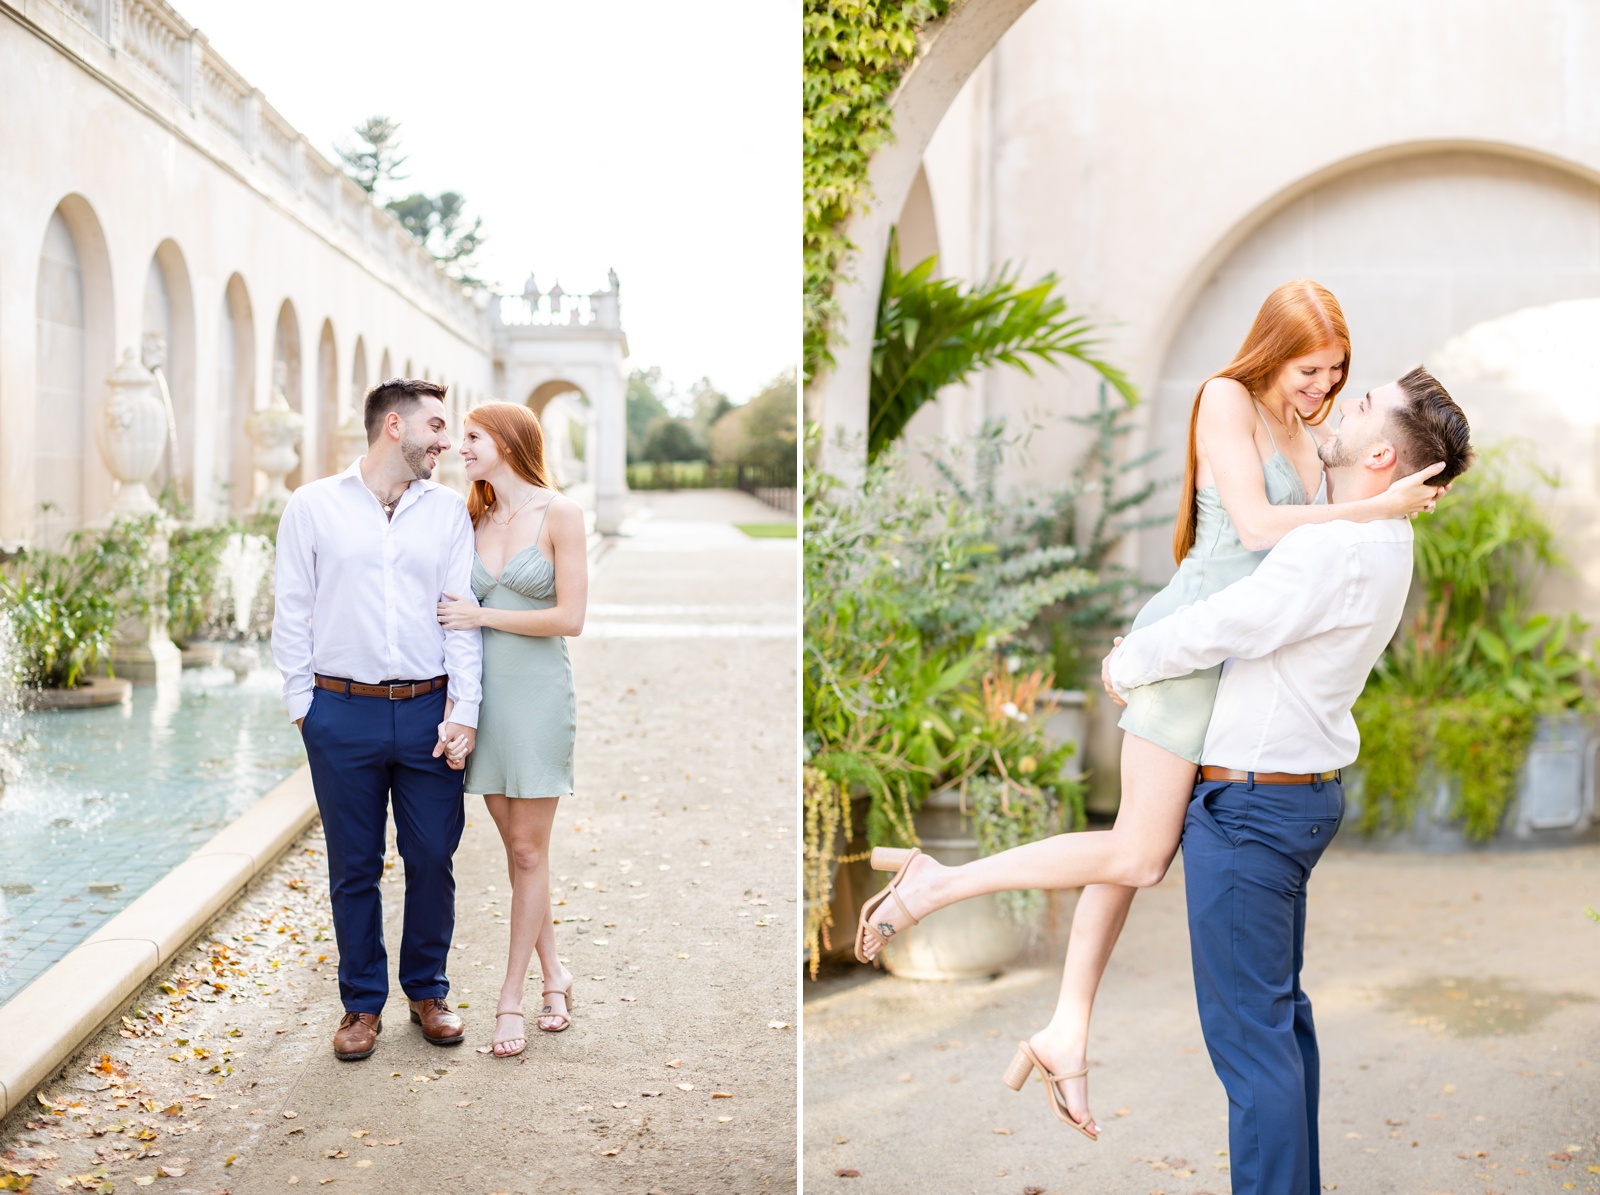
[357,593]
[1299,637]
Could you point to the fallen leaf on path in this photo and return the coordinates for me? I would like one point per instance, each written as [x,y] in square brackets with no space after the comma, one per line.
[847,1174]
[359,1133]
[722,1095]
[619,1103]
[364,1162]
[336,1153]
[905,1078]
[486,1049]
[396,1141]
[170,1171]
[144,1180]
[290,1115]
[676,1062]
[777,1024]
[610,1153]
[463,1103]
[1002,1132]
[685,1086]
[649,1094]
[1124,1111]
[724,1119]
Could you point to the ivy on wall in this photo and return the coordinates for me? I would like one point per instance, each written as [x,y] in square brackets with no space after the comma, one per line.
[855,53]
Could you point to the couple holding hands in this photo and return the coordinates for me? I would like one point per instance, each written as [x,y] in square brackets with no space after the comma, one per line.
[422,644]
[1294,555]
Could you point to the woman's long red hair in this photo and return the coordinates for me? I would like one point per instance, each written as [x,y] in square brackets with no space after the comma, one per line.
[1297,319]
[519,439]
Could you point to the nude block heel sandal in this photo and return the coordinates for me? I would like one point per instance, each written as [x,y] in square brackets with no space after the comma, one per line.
[895,859]
[566,1018]
[1023,1064]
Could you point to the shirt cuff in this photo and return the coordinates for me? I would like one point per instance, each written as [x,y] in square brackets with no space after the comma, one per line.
[299,704]
[465,713]
[1118,671]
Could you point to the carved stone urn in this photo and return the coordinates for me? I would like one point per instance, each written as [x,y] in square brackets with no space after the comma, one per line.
[275,432]
[132,435]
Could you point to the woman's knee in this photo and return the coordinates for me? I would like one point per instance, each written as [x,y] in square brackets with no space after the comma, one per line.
[1148,871]
[528,855]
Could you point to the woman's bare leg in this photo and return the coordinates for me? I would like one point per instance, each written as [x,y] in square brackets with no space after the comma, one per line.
[1135,852]
[525,829]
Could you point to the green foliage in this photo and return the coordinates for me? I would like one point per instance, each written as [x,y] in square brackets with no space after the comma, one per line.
[854,54]
[761,432]
[375,158]
[193,585]
[646,396]
[933,332]
[669,439]
[1458,695]
[1083,521]
[440,223]
[60,616]
[907,607]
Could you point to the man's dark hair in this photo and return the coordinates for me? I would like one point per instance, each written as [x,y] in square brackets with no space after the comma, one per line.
[1429,427]
[397,394]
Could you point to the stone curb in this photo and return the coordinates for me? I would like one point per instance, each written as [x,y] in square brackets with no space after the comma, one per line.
[45,1023]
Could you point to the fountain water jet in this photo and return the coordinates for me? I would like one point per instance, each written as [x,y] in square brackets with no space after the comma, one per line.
[243,563]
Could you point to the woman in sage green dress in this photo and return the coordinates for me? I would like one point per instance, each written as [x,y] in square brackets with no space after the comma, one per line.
[530,578]
[1253,474]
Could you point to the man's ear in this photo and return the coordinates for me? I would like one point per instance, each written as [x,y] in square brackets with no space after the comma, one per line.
[394,426]
[1382,455]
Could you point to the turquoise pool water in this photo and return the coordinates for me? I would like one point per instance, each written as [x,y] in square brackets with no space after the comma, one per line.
[109,800]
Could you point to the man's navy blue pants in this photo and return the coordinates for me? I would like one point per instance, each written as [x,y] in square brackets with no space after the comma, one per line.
[362,750]
[1248,850]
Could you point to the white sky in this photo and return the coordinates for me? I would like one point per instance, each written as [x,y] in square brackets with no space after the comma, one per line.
[659,139]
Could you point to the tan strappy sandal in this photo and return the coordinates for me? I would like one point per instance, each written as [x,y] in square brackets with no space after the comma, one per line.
[884,859]
[494,1045]
[1024,1064]
[546,1013]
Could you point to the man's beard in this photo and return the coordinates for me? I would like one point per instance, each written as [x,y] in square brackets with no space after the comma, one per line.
[1334,455]
[415,453]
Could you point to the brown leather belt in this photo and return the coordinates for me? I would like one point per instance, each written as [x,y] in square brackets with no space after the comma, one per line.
[399,691]
[1229,774]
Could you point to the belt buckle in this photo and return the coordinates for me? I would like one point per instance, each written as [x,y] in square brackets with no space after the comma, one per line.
[392,688]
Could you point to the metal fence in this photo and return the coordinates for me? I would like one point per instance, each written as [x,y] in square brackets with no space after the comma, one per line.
[774,486]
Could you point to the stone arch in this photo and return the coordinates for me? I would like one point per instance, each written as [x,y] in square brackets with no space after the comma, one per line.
[328,406]
[949,50]
[286,372]
[233,466]
[1431,249]
[543,393]
[75,351]
[385,369]
[564,412]
[408,372]
[168,313]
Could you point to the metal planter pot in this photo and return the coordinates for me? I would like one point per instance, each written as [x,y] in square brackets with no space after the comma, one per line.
[1554,804]
[969,940]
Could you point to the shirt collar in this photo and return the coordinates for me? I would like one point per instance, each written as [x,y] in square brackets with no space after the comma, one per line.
[420,485]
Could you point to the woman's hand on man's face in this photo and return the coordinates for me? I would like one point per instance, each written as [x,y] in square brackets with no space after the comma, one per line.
[456,614]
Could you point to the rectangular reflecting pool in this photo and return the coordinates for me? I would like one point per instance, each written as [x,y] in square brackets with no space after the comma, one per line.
[109,800]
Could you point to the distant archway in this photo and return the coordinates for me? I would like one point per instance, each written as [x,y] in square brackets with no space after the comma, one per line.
[286,373]
[75,353]
[234,467]
[564,414]
[542,394]
[169,314]
[328,399]
[385,368]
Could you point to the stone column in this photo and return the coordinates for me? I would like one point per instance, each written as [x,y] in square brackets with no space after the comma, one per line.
[607,453]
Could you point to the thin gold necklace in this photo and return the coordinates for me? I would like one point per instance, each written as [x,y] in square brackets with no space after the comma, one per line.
[506,522]
[1288,432]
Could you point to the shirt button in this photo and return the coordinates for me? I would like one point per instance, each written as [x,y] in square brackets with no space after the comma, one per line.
[1316,829]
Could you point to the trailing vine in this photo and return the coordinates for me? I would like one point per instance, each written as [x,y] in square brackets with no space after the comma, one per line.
[855,53]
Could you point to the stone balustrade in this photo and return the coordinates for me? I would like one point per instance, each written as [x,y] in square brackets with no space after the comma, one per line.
[146,48]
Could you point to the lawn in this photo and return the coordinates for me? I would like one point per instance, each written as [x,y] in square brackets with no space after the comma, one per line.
[767,530]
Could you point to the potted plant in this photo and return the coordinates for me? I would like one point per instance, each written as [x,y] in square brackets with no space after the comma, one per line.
[61,616]
[1476,724]
[907,602]
[1009,787]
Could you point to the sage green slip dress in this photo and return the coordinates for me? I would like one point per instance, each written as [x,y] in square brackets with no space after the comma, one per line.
[529,718]
[1175,714]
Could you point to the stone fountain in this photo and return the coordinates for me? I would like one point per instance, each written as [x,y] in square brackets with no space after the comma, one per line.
[243,565]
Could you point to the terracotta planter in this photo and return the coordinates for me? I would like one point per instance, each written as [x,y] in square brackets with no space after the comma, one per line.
[968,940]
[95,692]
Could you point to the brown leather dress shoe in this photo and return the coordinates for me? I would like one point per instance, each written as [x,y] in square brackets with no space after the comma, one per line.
[357,1035]
[439,1025]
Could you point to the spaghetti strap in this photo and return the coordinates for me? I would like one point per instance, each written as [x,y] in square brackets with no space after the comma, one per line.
[1262,415]
[552,502]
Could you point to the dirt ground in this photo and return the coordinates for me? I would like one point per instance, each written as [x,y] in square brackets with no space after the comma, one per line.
[675,865]
[1456,1007]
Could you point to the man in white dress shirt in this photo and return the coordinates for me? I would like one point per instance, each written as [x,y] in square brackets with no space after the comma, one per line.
[1297,640]
[386,699]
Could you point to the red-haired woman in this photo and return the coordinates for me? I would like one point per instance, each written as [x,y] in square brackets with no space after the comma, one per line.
[531,579]
[1253,474]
